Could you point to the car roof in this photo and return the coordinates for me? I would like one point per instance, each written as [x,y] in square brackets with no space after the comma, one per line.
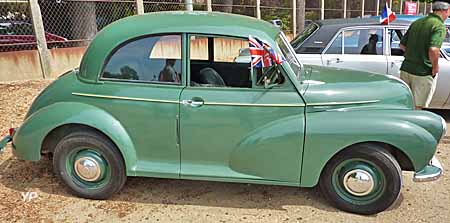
[342,23]
[329,27]
[215,23]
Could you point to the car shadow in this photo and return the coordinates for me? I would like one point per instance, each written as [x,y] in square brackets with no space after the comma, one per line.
[21,175]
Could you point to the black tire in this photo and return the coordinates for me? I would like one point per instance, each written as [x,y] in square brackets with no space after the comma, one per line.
[385,168]
[114,176]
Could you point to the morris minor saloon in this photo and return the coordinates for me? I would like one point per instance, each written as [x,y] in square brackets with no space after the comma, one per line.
[160,95]
[366,45]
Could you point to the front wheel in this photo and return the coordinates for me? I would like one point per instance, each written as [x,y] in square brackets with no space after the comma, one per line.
[364,180]
[89,164]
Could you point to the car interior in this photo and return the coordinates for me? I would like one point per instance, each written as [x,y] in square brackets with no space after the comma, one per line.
[208,69]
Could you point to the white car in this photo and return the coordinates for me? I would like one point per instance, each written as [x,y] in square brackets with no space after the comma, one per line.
[364,44]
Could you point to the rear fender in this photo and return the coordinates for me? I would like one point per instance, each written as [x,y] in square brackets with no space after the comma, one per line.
[29,137]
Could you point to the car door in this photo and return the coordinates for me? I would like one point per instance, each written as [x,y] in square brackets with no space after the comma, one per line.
[395,60]
[395,54]
[233,128]
[359,48]
[141,84]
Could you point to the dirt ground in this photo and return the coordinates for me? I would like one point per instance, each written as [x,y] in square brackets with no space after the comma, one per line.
[162,200]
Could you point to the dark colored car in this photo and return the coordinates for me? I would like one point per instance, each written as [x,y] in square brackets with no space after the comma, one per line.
[18,35]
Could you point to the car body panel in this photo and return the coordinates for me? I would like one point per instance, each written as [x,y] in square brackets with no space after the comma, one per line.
[255,135]
[323,138]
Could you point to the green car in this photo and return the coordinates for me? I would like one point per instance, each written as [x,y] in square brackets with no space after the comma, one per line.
[160,95]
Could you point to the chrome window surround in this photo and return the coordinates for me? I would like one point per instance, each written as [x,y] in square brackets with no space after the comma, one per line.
[382,28]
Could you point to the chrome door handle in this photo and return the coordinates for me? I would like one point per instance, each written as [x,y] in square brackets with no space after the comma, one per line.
[192,103]
[334,60]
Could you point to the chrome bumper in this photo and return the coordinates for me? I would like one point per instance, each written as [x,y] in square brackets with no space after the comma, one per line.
[430,172]
[4,141]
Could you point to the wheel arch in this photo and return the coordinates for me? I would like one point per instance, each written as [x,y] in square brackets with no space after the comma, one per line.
[42,130]
[405,162]
[57,134]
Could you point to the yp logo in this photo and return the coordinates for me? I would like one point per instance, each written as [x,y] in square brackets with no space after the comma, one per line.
[28,196]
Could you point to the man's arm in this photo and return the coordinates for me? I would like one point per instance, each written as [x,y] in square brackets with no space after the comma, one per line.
[403,47]
[404,41]
[434,54]
[437,37]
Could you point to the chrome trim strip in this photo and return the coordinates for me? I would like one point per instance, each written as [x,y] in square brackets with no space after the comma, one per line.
[124,98]
[254,105]
[224,103]
[342,103]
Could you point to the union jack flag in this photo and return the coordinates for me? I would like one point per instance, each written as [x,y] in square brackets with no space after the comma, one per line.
[262,54]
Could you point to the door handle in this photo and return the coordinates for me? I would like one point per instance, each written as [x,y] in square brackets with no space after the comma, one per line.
[192,103]
[334,60]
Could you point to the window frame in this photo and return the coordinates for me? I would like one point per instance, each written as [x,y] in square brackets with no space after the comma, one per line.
[353,28]
[254,86]
[182,82]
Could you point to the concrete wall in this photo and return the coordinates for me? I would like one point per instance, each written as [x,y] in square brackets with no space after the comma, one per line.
[25,65]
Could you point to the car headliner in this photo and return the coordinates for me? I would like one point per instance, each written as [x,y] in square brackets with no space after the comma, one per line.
[169,22]
[329,27]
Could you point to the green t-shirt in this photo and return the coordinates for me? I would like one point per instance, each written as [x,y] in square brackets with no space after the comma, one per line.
[422,34]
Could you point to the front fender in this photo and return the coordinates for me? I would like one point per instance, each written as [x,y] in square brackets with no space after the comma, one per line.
[329,132]
[29,137]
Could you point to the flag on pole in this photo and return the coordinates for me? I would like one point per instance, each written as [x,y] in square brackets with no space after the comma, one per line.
[387,16]
[262,54]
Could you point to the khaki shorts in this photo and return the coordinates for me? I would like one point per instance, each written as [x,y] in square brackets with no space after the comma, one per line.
[422,87]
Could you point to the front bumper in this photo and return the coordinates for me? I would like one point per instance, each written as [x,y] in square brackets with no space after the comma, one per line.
[430,172]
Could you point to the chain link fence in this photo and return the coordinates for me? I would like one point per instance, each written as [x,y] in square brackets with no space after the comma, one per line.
[73,23]
[16,29]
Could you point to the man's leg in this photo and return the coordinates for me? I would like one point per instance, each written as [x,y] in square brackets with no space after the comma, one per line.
[423,88]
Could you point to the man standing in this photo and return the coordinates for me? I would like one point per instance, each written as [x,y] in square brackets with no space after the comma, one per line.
[422,43]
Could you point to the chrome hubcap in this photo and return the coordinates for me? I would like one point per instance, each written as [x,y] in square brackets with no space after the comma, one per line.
[358,182]
[87,168]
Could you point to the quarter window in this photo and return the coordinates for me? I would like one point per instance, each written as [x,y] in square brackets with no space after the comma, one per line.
[150,59]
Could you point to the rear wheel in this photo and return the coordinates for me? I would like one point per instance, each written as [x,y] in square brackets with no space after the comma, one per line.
[365,180]
[89,164]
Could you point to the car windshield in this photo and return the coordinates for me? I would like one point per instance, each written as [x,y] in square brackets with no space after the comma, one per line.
[289,54]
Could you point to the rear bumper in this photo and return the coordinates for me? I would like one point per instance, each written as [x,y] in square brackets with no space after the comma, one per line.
[430,172]
[5,141]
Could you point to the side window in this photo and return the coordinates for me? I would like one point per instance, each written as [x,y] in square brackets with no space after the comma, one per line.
[336,46]
[151,59]
[363,41]
[219,62]
[395,35]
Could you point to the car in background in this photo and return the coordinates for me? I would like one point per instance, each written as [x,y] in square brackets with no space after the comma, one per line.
[366,45]
[19,35]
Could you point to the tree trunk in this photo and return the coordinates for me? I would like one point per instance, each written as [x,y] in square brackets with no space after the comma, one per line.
[86,28]
[228,8]
[300,15]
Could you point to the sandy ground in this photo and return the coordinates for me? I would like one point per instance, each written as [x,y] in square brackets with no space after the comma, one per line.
[162,200]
